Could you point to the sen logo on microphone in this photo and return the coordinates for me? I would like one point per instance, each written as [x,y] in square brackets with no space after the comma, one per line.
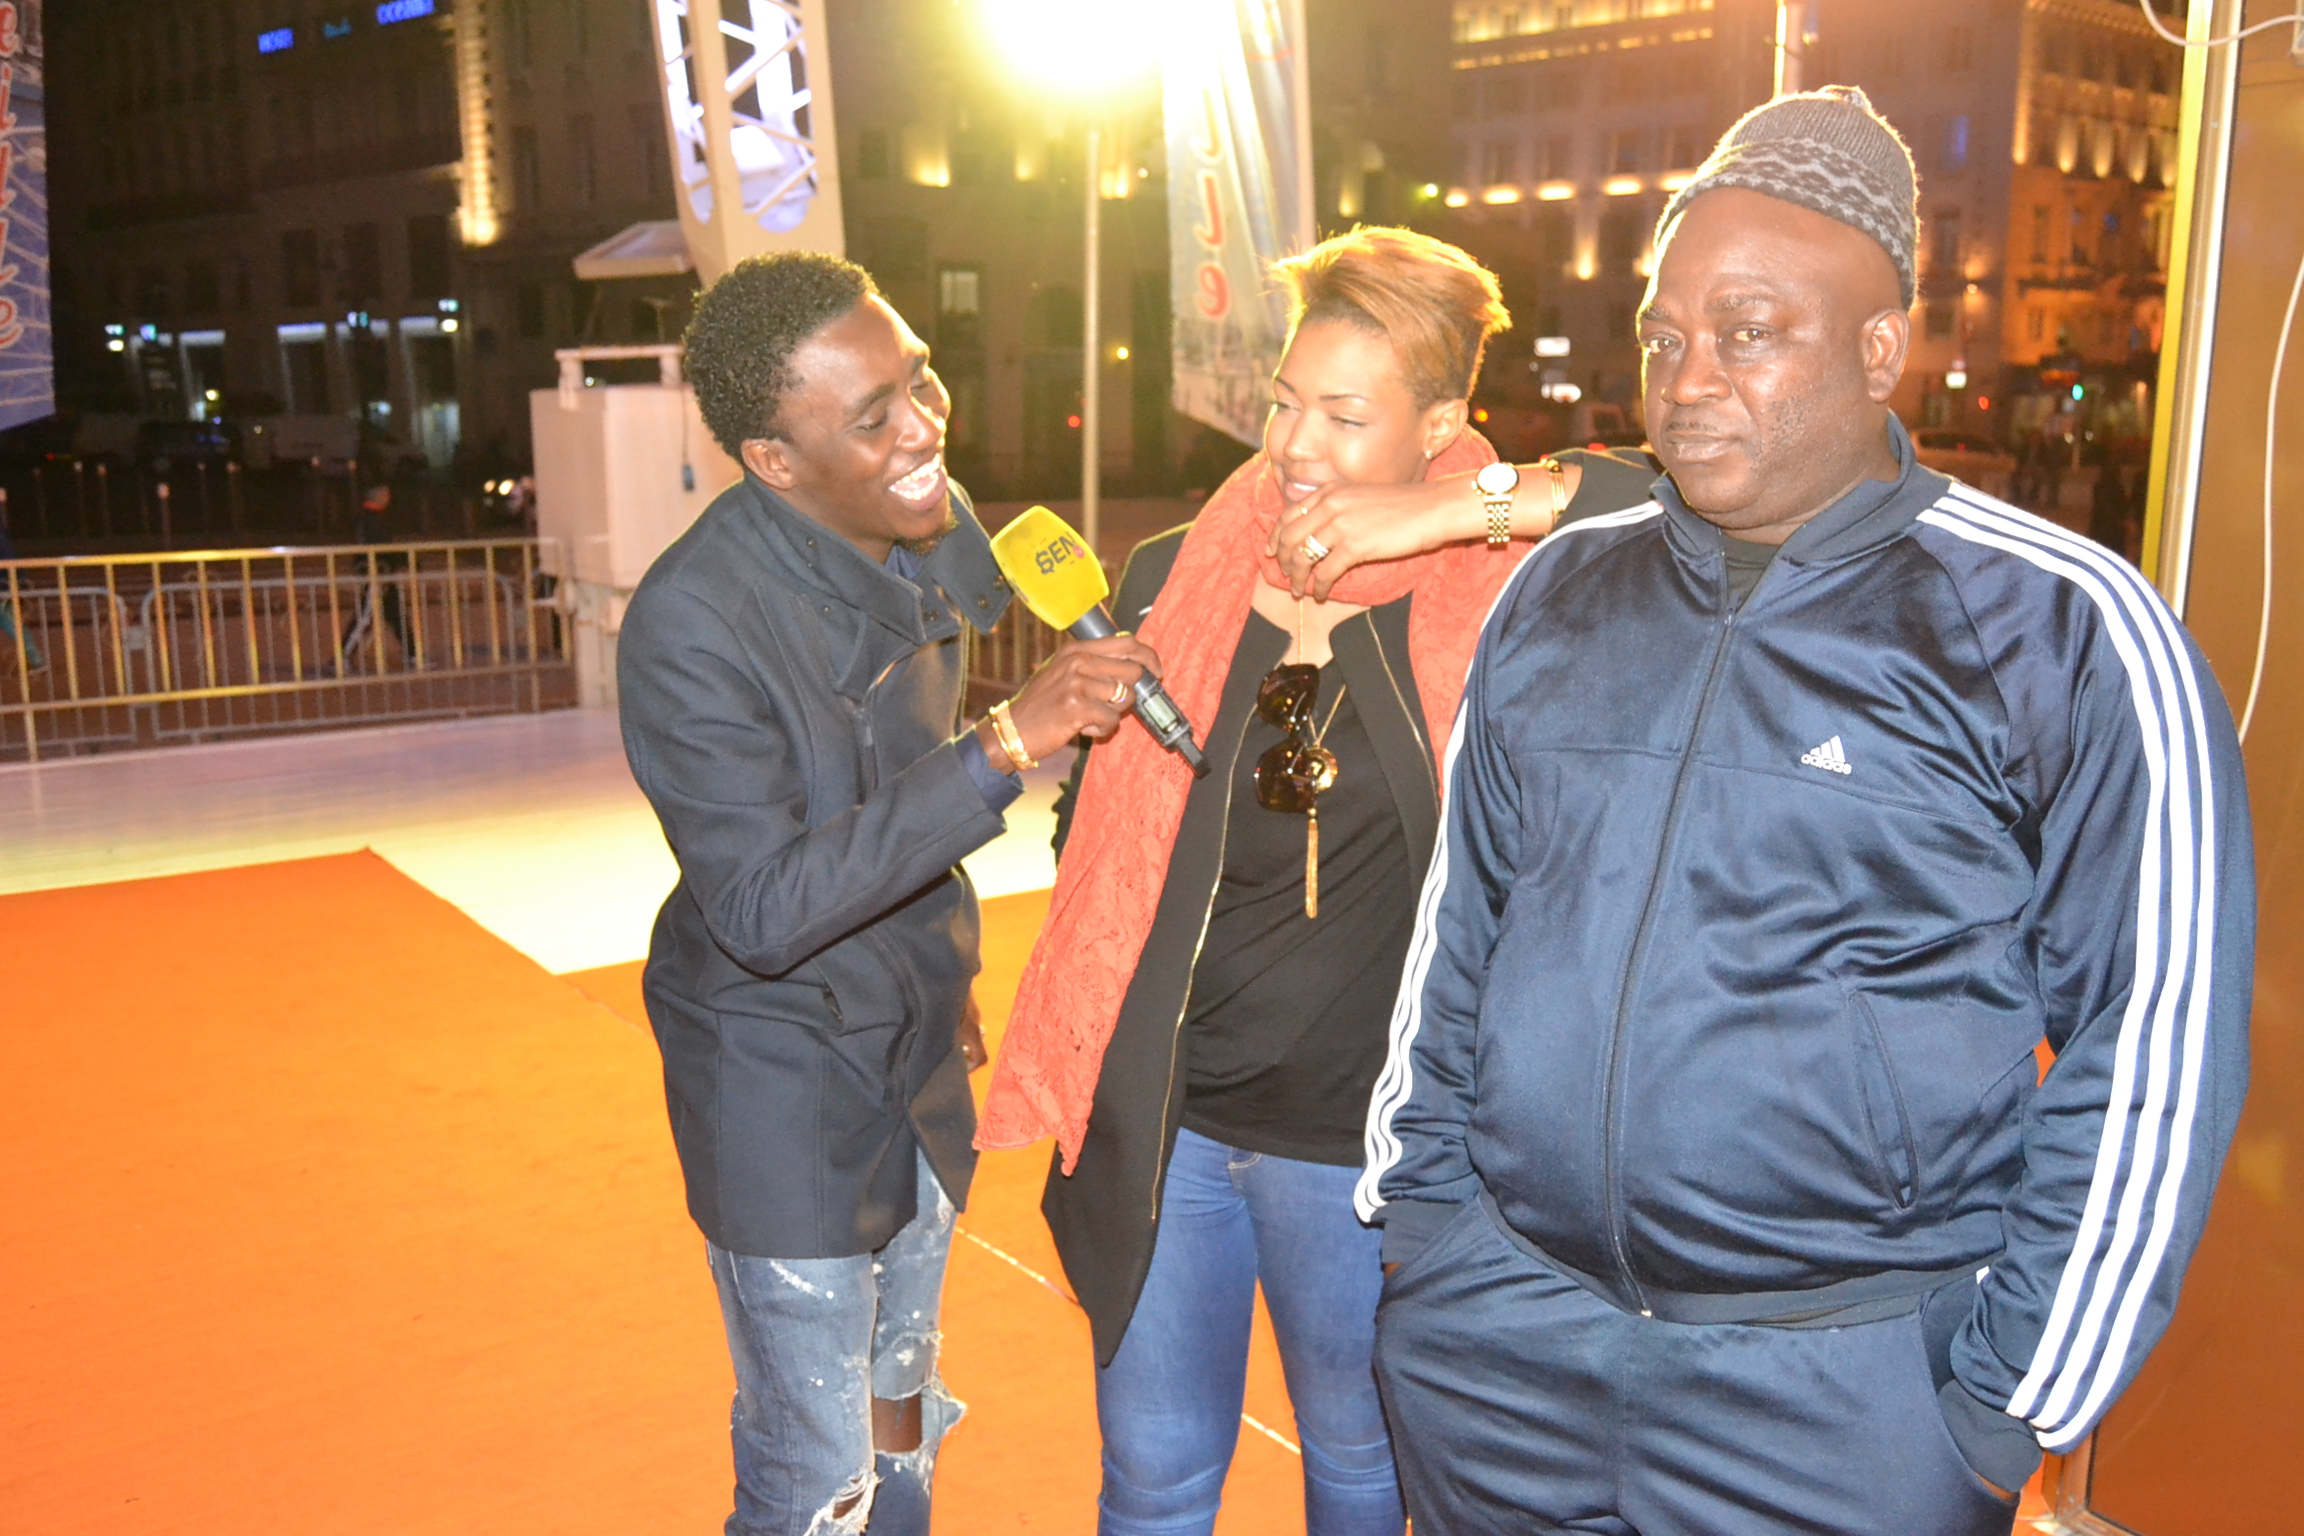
[1063,549]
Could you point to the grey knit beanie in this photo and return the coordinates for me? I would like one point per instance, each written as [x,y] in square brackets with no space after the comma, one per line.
[1827,151]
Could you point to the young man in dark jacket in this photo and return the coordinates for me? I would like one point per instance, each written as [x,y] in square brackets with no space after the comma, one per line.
[1785,816]
[791,674]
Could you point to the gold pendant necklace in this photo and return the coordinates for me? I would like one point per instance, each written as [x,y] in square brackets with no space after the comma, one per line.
[1324,768]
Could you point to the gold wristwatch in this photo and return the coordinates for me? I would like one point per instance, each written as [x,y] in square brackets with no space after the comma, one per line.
[1496,482]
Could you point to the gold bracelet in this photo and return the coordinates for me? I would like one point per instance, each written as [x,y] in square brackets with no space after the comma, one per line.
[1011,742]
[1558,476]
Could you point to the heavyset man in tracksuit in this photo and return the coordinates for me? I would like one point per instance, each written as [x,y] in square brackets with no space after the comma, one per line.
[1785,816]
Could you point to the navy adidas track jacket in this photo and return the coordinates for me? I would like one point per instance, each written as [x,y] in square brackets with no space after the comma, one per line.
[1745,922]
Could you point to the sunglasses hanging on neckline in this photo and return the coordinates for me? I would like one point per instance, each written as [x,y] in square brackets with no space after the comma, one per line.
[1293,772]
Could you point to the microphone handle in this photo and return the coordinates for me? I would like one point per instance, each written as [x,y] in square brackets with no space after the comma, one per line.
[1153,706]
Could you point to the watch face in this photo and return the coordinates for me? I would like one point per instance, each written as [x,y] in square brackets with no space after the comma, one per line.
[1498,479]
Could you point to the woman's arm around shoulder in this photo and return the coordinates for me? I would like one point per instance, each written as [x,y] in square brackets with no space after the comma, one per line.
[1342,525]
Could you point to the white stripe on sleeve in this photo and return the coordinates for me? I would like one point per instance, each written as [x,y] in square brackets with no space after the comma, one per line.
[2079,1361]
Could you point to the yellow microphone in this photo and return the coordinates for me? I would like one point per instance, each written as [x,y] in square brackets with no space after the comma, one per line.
[1063,584]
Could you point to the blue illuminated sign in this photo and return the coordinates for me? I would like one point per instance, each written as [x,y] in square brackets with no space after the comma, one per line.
[276,40]
[331,30]
[402,10]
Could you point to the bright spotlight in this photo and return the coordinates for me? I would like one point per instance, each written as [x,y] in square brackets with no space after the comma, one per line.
[1077,45]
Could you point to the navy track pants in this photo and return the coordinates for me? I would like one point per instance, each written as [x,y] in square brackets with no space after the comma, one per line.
[1521,1403]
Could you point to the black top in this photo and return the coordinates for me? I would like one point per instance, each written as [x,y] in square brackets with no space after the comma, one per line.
[1286,1030]
[1747,563]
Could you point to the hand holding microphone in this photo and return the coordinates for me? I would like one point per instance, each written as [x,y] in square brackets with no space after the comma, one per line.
[1087,686]
[1086,689]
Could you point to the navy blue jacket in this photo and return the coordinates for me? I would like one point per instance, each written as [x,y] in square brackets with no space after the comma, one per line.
[788,708]
[1745,922]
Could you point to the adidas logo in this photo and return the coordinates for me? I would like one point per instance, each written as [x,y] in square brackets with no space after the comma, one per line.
[1828,757]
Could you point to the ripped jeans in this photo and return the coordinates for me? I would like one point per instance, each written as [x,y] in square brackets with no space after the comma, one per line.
[814,1341]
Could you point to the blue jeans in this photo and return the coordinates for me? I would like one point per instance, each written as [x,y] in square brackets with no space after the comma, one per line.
[814,1341]
[1169,1403]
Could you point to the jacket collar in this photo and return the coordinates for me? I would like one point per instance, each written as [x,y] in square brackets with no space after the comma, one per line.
[1871,513]
[961,565]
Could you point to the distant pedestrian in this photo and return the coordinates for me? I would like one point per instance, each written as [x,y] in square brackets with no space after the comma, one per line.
[382,578]
[2023,484]
[2050,460]
[2108,509]
[2139,494]
[10,628]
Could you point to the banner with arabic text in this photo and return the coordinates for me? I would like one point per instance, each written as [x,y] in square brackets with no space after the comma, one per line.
[1239,197]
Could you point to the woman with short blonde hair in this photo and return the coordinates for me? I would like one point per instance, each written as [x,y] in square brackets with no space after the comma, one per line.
[1205,1015]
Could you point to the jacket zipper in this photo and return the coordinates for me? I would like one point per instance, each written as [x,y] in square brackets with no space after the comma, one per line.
[1426,753]
[907,984]
[1207,914]
[1608,1173]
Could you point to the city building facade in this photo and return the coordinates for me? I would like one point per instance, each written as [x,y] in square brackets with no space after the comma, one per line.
[1574,122]
[304,210]
[292,208]
[2044,132]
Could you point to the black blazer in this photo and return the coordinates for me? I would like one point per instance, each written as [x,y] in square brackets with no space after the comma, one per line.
[789,709]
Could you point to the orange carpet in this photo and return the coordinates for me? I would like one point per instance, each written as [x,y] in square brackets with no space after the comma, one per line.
[328,1211]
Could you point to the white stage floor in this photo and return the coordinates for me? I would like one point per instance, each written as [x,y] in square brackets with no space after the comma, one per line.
[530,824]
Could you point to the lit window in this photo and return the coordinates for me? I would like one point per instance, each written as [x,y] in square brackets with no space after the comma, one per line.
[959,291]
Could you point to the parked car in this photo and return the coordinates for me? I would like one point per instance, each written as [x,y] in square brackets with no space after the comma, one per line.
[165,445]
[1600,424]
[1966,457]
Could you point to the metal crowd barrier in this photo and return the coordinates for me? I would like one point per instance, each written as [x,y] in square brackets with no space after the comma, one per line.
[105,652]
[1001,661]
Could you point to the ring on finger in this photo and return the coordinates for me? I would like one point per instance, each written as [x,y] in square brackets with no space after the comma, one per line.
[1119,694]
[1314,550]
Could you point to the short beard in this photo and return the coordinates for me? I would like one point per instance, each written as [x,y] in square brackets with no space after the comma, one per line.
[925,547]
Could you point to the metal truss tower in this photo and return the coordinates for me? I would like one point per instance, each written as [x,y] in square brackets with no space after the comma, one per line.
[747,88]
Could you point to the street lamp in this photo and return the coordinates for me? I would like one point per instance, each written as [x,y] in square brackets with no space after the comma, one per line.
[1795,37]
[1081,49]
